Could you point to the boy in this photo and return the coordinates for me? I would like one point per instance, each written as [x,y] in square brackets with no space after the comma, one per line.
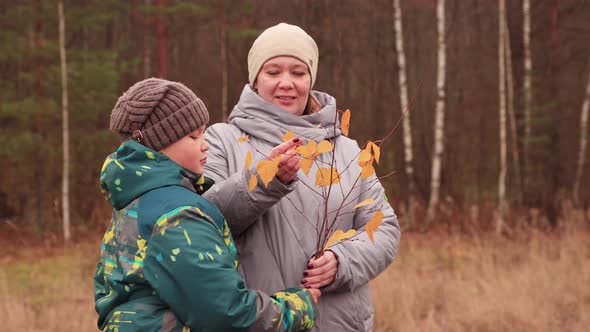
[168,261]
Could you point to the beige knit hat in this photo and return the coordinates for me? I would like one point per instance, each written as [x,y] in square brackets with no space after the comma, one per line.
[158,112]
[283,39]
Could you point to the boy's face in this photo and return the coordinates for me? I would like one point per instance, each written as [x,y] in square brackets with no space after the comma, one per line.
[190,151]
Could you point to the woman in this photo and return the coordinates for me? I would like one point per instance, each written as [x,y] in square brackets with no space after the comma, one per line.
[274,240]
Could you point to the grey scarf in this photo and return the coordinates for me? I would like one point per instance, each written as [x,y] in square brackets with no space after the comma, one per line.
[264,120]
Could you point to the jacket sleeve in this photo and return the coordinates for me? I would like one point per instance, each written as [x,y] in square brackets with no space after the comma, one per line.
[191,268]
[240,206]
[360,259]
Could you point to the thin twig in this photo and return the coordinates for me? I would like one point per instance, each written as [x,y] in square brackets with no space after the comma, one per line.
[362,231]
[373,183]
[285,194]
[357,197]
[381,141]
[296,208]
[255,148]
[327,197]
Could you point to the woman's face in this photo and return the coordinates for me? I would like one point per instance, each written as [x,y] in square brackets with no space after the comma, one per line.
[285,81]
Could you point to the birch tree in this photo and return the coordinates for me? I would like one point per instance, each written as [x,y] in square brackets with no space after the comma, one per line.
[65,192]
[502,116]
[528,84]
[439,114]
[403,86]
[583,141]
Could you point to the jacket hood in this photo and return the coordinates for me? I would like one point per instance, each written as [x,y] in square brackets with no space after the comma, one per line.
[267,121]
[134,169]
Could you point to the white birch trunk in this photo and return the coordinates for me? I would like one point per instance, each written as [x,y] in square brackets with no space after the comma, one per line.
[502,116]
[511,114]
[528,84]
[403,86]
[65,196]
[439,114]
[583,141]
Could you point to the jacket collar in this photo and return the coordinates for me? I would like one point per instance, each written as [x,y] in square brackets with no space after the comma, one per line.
[134,169]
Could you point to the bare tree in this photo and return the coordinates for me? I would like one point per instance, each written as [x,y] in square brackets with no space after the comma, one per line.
[147,49]
[162,40]
[439,120]
[407,125]
[528,84]
[511,114]
[223,55]
[502,116]
[65,193]
[583,141]
[37,43]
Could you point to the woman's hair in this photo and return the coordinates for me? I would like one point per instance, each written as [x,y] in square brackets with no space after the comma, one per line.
[313,105]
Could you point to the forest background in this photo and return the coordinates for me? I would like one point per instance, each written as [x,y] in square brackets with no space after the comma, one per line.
[494,139]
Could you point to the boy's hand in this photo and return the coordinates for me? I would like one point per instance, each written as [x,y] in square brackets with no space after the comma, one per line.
[290,160]
[315,293]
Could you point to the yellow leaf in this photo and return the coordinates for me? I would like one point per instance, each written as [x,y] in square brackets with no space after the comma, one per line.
[306,165]
[367,171]
[363,203]
[326,176]
[267,169]
[324,146]
[302,150]
[252,182]
[243,139]
[248,160]
[365,158]
[372,225]
[375,150]
[339,235]
[345,122]
[311,149]
[288,136]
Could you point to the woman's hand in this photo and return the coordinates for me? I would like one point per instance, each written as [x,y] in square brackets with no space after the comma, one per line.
[321,272]
[290,160]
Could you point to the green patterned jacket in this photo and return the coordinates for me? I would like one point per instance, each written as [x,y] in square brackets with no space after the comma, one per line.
[168,260]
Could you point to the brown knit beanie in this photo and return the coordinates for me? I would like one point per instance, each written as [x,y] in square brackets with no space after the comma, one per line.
[157,113]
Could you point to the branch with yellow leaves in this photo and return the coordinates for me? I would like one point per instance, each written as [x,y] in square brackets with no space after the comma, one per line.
[326,176]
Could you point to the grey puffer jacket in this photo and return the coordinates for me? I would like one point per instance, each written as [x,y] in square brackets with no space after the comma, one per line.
[274,240]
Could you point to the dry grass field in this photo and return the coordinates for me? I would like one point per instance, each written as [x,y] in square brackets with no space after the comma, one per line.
[48,289]
[536,281]
[540,282]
